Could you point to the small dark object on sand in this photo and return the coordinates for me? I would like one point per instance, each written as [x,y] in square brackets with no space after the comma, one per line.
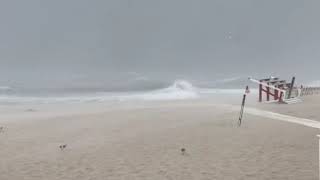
[183,151]
[1,129]
[62,147]
[30,110]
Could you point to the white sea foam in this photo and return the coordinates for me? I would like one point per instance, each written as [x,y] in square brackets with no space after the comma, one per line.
[5,88]
[179,90]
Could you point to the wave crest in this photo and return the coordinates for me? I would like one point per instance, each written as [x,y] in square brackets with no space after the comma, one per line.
[180,89]
[182,85]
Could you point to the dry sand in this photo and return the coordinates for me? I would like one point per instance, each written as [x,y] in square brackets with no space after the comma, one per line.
[144,141]
[309,108]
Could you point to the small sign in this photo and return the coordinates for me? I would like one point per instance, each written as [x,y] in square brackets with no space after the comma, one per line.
[247,90]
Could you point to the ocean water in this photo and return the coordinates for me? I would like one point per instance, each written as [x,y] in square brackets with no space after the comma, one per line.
[145,90]
[178,90]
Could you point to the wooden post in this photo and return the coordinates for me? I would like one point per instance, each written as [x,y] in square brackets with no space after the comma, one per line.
[309,91]
[242,108]
[291,87]
[260,92]
[306,91]
[281,97]
[276,94]
[312,91]
[268,93]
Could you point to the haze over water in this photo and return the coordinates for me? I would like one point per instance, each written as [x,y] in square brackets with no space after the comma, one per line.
[82,46]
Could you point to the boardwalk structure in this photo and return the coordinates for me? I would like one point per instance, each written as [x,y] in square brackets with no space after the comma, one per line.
[277,90]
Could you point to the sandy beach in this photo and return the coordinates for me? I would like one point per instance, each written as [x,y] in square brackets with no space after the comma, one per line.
[153,90]
[309,108]
[144,141]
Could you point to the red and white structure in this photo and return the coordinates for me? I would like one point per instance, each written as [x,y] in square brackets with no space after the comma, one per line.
[276,90]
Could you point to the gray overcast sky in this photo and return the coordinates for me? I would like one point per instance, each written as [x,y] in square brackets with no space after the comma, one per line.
[45,40]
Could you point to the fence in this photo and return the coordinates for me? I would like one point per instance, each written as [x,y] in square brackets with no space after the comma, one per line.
[307,91]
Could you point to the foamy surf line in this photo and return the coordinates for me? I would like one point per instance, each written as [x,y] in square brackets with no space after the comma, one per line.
[179,90]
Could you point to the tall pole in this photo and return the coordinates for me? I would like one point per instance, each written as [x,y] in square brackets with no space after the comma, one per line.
[243,104]
[291,87]
[260,92]
[268,93]
[242,109]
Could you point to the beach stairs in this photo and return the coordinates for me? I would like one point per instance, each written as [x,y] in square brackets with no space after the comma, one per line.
[292,101]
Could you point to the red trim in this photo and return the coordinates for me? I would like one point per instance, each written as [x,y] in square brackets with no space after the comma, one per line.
[265,89]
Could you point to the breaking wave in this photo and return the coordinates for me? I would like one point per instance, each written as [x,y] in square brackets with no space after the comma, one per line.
[179,90]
